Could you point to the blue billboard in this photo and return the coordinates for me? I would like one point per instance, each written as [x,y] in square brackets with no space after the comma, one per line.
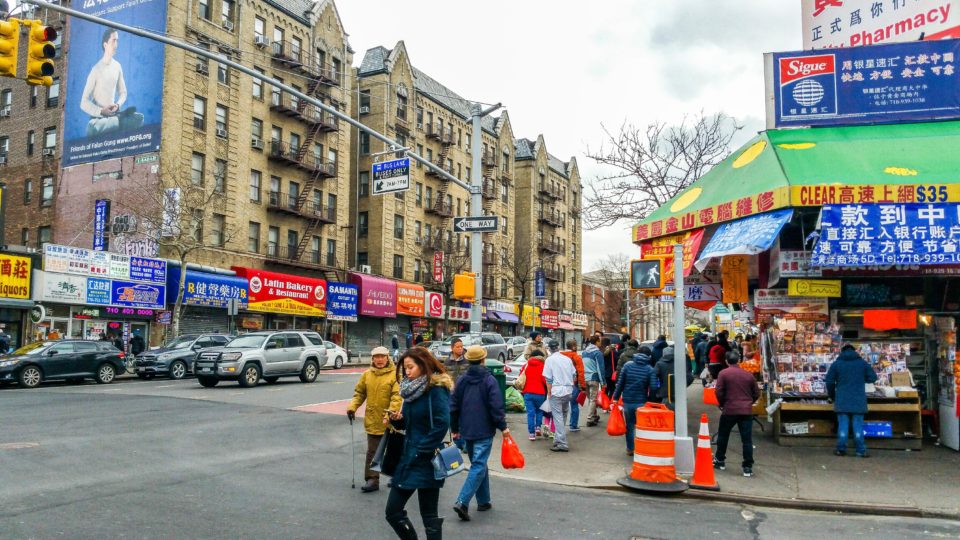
[342,301]
[137,295]
[204,289]
[101,217]
[114,87]
[151,270]
[900,82]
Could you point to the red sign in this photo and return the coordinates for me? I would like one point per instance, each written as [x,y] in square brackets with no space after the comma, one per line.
[438,266]
[795,68]
[662,248]
[284,293]
[410,299]
[434,305]
[549,318]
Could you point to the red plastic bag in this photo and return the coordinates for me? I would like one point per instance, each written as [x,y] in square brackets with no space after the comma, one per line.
[616,424]
[710,396]
[603,401]
[581,398]
[510,455]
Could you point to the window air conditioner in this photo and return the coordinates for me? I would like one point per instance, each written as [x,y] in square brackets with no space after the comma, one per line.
[49,152]
[202,68]
[261,41]
[256,143]
[3,160]
[222,133]
[365,268]
[365,110]
[228,26]
[5,112]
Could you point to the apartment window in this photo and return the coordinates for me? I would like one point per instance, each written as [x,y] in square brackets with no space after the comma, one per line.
[363,224]
[196,225]
[459,137]
[419,194]
[44,236]
[53,94]
[420,153]
[6,99]
[468,174]
[317,200]
[336,70]
[417,229]
[420,118]
[276,134]
[203,65]
[255,179]
[258,86]
[331,204]
[364,183]
[199,112]
[503,288]
[294,194]
[504,226]
[218,225]
[27,191]
[315,250]
[273,238]
[4,146]
[363,258]
[505,162]
[196,169]
[429,197]
[318,152]
[24,236]
[294,142]
[277,37]
[398,226]
[364,101]
[256,128]
[332,157]
[398,266]
[428,229]
[46,191]
[223,71]
[573,250]
[296,46]
[50,138]
[364,143]
[503,256]
[417,272]
[221,119]
[293,240]
[34,94]
[253,237]
[226,13]
[219,176]
[504,192]
[31,140]
[401,107]
[274,190]
[429,155]
[466,143]
[259,28]
[205,9]
[331,252]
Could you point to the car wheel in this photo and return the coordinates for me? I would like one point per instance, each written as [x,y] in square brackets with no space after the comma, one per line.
[337,362]
[208,382]
[309,372]
[178,370]
[271,380]
[106,373]
[30,377]
[250,376]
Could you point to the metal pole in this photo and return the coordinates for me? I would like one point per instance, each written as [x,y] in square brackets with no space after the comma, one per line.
[680,367]
[476,210]
[628,312]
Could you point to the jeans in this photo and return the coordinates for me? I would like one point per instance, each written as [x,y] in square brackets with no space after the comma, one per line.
[534,414]
[844,421]
[744,423]
[593,390]
[630,417]
[560,407]
[575,409]
[397,500]
[478,479]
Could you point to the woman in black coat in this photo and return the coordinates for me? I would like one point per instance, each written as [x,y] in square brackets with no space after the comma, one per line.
[425,388]
[609,365]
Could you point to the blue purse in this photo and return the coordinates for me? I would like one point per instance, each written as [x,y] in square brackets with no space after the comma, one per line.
[447,461]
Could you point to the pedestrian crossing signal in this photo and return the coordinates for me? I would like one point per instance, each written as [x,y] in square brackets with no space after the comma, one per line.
[40,54]
[646,274]
[9,45]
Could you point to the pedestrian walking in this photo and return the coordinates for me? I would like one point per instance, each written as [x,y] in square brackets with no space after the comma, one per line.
[665,376]
[425,415]
[637,384]
[534,393]
[561,377]
[117,342]
[395,347]
[455,363]
[580,386]
[656,352]
[717,354]
[476,413]
[845,382]
[137,345]
[700,354]
[378,387]
[535,343]
[594,376]
[632,348]
[610,355]
[737,390]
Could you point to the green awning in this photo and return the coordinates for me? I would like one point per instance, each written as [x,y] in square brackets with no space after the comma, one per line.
[812,167]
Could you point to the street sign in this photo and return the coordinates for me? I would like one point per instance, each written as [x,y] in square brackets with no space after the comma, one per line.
[540,284]
[391,176]
[475,224]
[438,266]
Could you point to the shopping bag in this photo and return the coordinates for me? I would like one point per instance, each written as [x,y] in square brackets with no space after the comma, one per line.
[581,398]
[510,455]
[387,456]
[710,396]
[603,400]
[616,425]
[546,405]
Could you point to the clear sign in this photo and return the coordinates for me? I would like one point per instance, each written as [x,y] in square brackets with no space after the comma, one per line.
[391,176]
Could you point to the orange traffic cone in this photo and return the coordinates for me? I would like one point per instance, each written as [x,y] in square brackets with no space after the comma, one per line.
[703,467]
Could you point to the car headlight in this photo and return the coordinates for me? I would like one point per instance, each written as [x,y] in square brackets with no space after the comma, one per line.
[230,356]
[8,363]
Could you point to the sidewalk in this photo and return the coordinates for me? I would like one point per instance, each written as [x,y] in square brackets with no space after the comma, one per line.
[906,482]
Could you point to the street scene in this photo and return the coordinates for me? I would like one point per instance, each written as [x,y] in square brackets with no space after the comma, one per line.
[309,269]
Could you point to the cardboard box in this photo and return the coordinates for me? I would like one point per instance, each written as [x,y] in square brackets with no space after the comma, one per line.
[820,427]
[907,392]
[796,428]
[901,378]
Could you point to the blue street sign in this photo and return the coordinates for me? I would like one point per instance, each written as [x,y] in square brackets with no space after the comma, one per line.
[101,216]
[391,176]
[540,284]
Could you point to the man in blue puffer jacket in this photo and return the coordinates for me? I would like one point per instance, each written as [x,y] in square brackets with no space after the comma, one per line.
[637,383]
[845,385]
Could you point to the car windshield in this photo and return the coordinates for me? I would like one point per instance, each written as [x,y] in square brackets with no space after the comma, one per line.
[33,348]
[248,341]
[181,342]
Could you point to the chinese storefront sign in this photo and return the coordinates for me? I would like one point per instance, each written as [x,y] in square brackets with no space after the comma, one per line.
[101,217]
[549,319]
[663,248]
[342,302]
[84,262]
[205,289]
[819,195]
[852,23]
[272,292]
[900,82]
[789,264]
[14,277]
[149,270]
[735,270]
[868,234]
[61,288]
[747,236]
[459,313]
[410,299]
[776,302]
[710,292]
[438,266]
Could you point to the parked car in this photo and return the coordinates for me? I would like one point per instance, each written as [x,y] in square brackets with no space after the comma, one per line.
[491,341]
[336,355]
[512,369]
[72,359]
[175,359]
[515,345]
[269,355]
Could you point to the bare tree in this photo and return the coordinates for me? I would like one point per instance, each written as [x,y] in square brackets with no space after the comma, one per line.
[185,213]
[613,272]
[653,164]
[519,271]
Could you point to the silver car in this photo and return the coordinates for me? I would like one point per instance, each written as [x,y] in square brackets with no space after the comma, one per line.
[491,341]
[512,369]
[515,345]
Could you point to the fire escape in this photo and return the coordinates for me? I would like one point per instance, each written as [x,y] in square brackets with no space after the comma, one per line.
[441,207]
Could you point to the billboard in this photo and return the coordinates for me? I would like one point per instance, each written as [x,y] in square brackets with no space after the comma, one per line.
[899,82]
[853,23]
[114,83]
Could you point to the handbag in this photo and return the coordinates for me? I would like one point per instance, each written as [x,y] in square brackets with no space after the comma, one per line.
[521,380]
[388,453]
[447,462]
[546,407]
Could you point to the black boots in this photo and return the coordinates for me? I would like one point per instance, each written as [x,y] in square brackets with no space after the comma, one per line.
[434,528]
[404,528]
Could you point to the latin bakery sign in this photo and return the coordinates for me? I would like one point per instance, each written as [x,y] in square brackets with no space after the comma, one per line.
[271,292]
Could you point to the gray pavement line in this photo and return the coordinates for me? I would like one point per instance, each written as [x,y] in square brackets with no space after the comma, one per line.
[315,404]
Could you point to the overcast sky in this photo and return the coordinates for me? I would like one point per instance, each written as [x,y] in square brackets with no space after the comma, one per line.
[563,68]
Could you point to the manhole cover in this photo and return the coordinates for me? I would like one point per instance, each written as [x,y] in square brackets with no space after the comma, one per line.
[18,445]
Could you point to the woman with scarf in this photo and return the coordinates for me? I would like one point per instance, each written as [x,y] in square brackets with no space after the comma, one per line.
[425,415]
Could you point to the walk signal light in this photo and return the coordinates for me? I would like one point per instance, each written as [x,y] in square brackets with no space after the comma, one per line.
[9,45]
[646,274]
[40,54]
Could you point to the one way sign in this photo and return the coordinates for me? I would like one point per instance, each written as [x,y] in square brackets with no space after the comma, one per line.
[391,176]
[475,224]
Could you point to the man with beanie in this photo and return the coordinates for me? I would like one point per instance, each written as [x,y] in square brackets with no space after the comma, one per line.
[535,343]
[561,377]
[476,413]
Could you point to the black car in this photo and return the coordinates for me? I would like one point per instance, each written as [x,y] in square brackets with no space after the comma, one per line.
[72,359]
[175,359]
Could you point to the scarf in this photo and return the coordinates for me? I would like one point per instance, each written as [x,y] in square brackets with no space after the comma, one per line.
[411,389]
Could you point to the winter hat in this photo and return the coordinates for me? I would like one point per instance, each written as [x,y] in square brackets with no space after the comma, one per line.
[553,345]
[475,354]
[668,352]
[377,351]
[533,335]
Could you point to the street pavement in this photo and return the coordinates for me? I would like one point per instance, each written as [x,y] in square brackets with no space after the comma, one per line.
[165,459]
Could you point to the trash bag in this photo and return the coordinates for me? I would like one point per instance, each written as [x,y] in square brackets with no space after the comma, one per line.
[510,455]
[616,424]
[514,402]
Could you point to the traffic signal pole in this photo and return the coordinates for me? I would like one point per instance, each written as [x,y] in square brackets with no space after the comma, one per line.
[476,210]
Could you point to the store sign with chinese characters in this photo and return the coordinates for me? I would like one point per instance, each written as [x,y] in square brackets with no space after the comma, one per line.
[777,303]
[459,313]
[884,234]
[711,215]
[853,23]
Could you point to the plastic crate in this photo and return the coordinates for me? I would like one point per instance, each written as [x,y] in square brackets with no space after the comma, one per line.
[878,429]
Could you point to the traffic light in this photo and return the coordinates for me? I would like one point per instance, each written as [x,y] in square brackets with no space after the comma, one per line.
[464,286]
[40,54]
[646,274]
[9,45]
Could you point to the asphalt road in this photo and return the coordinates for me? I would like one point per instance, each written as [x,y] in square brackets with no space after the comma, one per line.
[164,459]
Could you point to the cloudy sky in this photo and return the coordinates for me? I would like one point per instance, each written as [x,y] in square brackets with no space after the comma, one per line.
[563,68]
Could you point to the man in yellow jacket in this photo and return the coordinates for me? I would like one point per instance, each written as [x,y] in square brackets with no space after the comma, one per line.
[377,386]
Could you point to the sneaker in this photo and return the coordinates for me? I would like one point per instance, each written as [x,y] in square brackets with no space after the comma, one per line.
[863,455]
[593,423]
[840,453]
[717,464]
[574,429]
[538,433]
[556,448]
[484,507]
[462,511]
[629,452]
[748,471]
[533,437]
